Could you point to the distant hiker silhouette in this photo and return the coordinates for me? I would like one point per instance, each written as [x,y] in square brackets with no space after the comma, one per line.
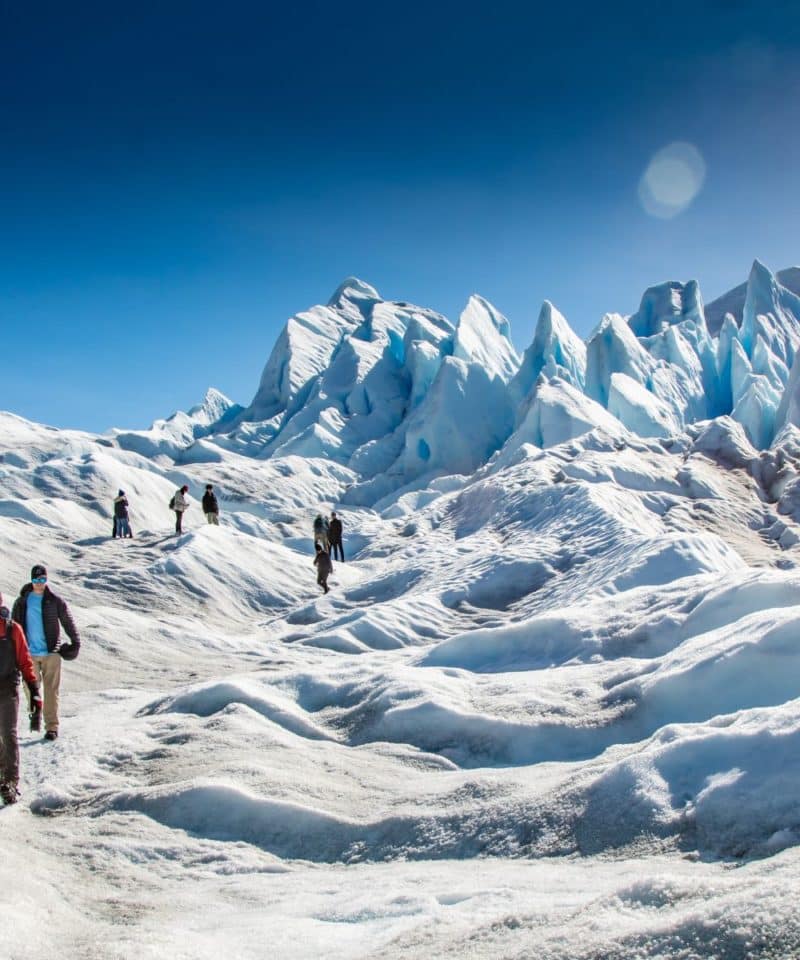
[321,531]
[335,536]
[122,527]
[210,505]
[322,561]
[180,505]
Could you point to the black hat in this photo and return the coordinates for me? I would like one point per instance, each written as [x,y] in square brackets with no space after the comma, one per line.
[38,570]
[209,486]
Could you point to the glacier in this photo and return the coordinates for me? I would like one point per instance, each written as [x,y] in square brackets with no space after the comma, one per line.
[549,707]
[398,393]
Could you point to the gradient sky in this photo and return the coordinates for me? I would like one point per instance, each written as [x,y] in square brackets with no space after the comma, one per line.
[176,179]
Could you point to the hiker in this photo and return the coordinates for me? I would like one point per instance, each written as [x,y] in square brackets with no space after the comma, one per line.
[180,505]
[122,527]
[210,505]
[335,536]
[322,561]
[321,531]
[15,658]
[41,614]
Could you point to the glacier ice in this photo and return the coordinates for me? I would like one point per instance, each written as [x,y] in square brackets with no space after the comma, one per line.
[666,304]
[397,392]
[483,336]
[556,351]
[464,419]
[559,412]
[766,298]
[641,411]
[181,430]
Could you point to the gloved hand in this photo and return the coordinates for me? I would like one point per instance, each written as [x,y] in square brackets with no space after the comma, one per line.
[36,707]
[69,651]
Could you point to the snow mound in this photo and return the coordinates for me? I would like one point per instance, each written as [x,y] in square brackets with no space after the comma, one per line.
[725,786]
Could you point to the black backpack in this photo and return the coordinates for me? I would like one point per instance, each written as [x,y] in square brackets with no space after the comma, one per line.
[172,502]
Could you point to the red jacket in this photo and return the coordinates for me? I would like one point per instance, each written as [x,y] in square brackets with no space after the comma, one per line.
[21,652]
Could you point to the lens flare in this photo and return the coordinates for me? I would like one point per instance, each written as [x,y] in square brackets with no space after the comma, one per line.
[672,180]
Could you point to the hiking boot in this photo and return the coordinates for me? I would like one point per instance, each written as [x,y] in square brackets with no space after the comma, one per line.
[9,793]
[51,735]
[36,720]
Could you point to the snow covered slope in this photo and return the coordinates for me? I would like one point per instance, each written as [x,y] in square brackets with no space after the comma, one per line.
[549,708]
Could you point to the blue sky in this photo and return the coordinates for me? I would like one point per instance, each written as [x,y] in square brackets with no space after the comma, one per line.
[178,179]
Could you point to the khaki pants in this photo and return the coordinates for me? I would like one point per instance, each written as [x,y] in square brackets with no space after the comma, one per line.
[48,670]
[213,518]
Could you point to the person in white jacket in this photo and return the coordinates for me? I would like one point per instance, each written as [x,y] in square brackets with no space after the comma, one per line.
[180,505]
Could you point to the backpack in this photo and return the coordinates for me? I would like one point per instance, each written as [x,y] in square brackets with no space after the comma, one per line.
[172,502]
[9,671]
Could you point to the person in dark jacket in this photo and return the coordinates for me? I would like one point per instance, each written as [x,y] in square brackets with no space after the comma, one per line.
[322,561]
[210,505]
[335,536]
[42,615]
[122,527]
[14,659]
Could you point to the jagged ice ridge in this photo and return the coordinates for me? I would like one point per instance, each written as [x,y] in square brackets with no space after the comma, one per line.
[395,392]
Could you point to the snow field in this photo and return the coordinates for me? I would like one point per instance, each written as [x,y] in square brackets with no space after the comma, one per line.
[547,711]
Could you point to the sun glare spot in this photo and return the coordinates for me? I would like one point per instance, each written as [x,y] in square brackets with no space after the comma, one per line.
[673,178]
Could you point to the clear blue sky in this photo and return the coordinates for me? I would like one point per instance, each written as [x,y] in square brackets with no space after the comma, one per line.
[176,179]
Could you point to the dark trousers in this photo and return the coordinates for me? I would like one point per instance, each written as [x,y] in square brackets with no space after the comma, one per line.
[178,521]
[322,579]
[337,544]
[9,744]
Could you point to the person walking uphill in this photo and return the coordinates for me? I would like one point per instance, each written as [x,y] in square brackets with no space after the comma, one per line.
[15,658]
[210,505]
[180,505]
[42,615]
[322,561]
[122,527]
[335,536]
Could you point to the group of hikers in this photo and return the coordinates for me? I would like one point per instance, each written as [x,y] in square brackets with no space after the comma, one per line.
[179,504]
[327,530]
[31,644]
[327,540]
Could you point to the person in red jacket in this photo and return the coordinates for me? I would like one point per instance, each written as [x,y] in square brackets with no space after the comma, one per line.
[15,658]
